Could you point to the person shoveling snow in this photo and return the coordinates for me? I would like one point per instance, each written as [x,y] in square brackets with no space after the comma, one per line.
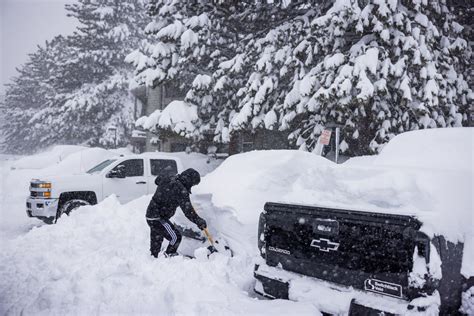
[171,192]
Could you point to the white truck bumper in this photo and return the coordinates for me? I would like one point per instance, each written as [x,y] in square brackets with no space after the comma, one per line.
[37,207]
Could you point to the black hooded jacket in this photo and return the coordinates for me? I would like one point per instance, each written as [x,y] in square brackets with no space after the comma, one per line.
[174,191]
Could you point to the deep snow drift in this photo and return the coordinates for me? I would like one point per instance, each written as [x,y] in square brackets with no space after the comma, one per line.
[97,261]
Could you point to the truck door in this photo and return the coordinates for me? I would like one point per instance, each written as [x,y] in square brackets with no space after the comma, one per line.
[160,168]
[132,186]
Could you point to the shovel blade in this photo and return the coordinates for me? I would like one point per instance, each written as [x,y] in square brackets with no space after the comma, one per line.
[211,249]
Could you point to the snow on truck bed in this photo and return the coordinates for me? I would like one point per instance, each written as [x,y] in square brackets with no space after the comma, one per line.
[426,173]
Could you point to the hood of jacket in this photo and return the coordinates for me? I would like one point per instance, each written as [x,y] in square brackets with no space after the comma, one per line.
[189,178]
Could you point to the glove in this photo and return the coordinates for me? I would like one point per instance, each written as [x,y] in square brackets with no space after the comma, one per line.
[201,224]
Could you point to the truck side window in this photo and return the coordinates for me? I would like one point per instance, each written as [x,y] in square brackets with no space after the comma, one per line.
[163,167]
[133,167]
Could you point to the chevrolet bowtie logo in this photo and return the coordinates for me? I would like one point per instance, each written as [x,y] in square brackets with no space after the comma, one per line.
[324,245]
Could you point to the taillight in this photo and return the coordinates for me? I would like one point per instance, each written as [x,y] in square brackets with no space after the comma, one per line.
[261,234]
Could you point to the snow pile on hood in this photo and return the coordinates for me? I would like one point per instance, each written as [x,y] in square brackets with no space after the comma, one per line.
[177,116]
[97,261]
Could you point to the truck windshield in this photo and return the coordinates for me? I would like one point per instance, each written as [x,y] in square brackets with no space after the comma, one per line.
[101,166]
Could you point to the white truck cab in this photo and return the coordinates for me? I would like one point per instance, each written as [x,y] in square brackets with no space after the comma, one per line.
[128,177]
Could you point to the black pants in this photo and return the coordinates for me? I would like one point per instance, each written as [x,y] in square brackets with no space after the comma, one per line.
[159,229]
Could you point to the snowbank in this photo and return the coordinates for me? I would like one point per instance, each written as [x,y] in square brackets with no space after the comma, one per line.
[246,181]
[90,261]
[96,261]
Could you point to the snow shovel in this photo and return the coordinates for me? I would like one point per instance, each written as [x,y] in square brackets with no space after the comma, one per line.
[211,248]
[213,244]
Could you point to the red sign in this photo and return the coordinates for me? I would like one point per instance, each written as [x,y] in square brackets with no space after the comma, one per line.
[325,137]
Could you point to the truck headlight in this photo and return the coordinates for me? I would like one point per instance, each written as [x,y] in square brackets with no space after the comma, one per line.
[44,185]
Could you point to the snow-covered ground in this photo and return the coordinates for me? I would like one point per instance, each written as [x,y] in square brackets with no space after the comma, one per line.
[97,261]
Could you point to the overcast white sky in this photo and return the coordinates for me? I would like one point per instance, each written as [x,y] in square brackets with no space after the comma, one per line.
[23,25]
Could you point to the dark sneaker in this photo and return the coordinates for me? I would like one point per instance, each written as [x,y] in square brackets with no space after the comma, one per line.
[169,255]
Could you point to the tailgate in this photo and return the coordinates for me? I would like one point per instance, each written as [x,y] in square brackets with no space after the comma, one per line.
[368,251]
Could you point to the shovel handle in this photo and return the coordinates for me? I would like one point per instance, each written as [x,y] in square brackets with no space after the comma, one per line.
[209,237]
[206,232]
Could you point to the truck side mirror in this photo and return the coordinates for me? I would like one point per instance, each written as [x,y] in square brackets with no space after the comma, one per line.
[117,172]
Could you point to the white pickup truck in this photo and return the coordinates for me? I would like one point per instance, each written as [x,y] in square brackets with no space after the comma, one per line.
[128,177]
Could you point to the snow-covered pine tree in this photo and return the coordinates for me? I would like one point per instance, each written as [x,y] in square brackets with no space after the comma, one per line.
[92,80]
[376,67]
[249,87]
[380,69]
[171,35]
[186,42]
[279,59]
[216,64]
[27,94]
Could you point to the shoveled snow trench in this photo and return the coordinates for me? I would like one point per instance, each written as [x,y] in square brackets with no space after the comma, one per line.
[97,261]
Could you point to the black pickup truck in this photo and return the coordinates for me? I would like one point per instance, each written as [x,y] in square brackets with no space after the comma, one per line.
[378,263]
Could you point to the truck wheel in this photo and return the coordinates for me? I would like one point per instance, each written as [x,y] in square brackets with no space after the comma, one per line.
[70,205]
[49,220]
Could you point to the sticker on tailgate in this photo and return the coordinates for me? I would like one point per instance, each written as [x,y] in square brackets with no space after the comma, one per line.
[382,287]
[328,227]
